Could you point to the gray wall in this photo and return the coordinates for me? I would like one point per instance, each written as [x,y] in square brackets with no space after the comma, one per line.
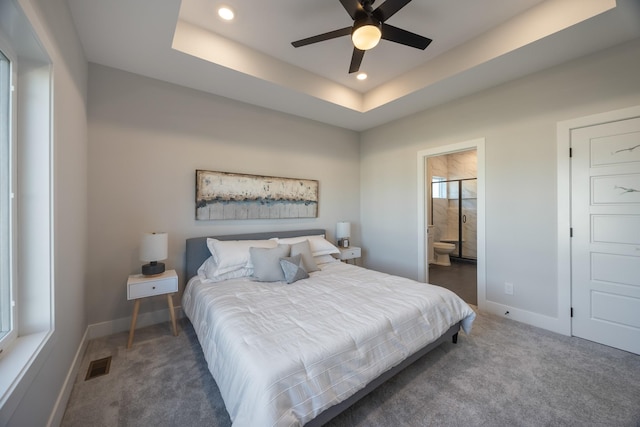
[518,120]
[146,140]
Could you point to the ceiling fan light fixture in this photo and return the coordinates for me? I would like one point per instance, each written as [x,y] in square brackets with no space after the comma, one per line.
[366,33]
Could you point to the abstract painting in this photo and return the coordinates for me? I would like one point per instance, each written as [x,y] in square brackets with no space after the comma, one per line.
[223,195]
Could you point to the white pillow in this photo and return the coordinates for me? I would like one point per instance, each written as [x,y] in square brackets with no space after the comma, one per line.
[208,272]
[231,255]
[324,259]
[319,245]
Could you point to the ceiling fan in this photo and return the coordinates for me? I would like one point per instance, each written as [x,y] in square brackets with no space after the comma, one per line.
[368,28]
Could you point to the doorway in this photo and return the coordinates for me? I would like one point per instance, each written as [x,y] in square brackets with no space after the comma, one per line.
[451,211]
[451,228]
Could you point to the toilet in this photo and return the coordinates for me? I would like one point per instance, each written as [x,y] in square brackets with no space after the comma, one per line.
[441,252]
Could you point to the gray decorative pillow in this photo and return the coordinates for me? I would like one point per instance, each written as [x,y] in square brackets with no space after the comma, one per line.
[293,269]
[304,249]
[266,263]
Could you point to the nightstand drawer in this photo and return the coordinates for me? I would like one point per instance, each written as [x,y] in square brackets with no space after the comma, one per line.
[349,253]
[149,287]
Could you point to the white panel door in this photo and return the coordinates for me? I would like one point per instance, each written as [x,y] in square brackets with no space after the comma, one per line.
[605,248]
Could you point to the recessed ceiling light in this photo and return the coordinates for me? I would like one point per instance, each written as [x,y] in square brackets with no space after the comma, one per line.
[226,13]
[361,76]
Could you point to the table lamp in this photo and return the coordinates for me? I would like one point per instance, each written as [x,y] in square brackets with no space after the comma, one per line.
[343,232]
[152,250]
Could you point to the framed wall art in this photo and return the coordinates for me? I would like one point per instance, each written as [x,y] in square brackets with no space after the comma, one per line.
[223,195]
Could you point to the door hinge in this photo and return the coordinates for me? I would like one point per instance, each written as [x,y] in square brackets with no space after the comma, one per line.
[570,152]
[571,232]
[571,311]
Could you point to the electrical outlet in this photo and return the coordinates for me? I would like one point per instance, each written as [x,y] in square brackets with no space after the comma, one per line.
[508,288]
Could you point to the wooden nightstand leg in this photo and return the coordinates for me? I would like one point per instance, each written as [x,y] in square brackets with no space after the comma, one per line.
[134,318]
[172,314]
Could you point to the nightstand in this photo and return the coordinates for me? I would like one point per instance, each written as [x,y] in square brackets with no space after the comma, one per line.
[139,286]
[350,253]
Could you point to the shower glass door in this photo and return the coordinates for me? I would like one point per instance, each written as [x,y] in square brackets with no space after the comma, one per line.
[454,213]
[468,218]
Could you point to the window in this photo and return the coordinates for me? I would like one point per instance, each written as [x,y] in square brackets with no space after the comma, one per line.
[6,203]
[26,232]
[438,187]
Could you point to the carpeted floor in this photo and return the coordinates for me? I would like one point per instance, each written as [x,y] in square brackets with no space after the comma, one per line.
[504,374]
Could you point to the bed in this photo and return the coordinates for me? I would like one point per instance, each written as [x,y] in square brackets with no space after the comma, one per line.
[299,353]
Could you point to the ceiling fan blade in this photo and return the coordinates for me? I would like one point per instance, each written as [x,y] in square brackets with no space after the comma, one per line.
[389,8]
[398,35]
[322,37]
[353,8]
[356,60]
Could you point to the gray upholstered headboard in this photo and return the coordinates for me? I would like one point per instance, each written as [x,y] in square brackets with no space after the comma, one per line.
[197,251]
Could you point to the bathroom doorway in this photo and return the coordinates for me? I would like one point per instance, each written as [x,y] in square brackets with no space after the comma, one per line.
[451,218]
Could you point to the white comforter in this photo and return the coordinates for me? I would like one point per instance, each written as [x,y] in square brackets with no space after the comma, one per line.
[281,354]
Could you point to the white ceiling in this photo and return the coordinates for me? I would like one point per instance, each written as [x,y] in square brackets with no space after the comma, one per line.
[476,45]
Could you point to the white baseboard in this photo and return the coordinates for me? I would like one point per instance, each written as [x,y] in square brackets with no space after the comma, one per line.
[549,323]
[111,327]
[55,419]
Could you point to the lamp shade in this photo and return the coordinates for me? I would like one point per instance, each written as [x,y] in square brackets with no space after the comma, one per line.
[343,230]
[153,247]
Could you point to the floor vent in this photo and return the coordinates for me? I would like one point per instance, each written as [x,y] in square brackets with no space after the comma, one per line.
[98,367]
